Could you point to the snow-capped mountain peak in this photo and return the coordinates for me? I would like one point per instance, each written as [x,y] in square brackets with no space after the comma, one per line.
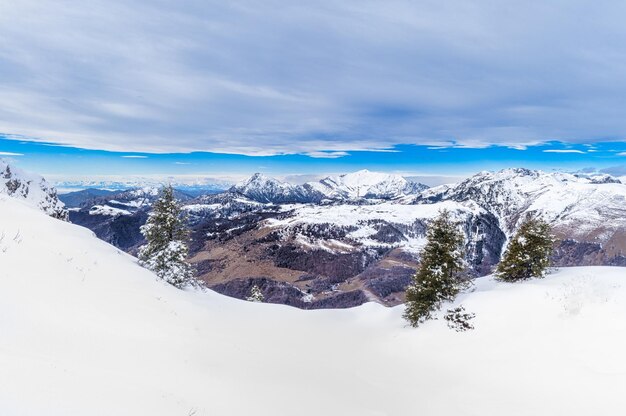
[367,184]
[262,188]
[362,184]
[33,189]
[578,203]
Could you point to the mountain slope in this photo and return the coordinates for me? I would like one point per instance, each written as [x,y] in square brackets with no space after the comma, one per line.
[587,213]
[364,184]
[77,198]
[263,189]
[582,203]
[87,331]
[31,188]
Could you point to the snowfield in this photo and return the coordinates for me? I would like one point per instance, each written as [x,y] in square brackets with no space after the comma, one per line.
[86,331]
[362,215]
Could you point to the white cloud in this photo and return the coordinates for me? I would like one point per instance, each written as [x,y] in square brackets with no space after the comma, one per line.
[327,155]
[563,151]
[134,157]
[306,77]
[11,154]
[621,154]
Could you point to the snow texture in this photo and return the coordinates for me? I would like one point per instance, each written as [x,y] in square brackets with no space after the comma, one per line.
[86,331]
[31,188]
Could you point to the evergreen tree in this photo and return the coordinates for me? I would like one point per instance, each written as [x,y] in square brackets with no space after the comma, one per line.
[458,319]
[166,251]
[439,277]
[256,295]
[528,253]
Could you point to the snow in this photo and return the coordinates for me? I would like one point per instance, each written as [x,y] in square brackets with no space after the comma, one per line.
[360,216]
[348,187]
[32,188]
[202,207]
[577,204]
[86,331]
[346,215]
[364,183]
[107,210]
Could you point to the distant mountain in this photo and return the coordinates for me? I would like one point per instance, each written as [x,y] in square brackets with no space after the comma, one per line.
[194,186]
[31,188]
[366,185]
[357,186]
[261,188]
[77,198]
[117,217]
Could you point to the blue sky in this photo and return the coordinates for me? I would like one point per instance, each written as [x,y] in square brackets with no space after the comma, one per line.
[305,87]
[418,160]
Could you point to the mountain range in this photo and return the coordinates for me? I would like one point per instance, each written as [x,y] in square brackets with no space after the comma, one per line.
[349,239]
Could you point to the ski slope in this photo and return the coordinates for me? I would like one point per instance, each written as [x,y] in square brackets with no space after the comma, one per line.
[85,331]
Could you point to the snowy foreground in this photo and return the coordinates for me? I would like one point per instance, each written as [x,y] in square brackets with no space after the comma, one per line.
[85,331]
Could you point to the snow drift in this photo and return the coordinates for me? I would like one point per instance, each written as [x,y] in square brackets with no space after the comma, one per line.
[86,331]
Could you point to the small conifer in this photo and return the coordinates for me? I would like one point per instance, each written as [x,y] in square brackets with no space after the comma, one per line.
[255,294]
[165,251]
[439,277]
[528,253]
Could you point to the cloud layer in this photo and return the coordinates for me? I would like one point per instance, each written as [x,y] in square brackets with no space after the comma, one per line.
[278,77]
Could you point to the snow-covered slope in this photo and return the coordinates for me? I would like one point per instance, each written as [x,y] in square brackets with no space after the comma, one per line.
[581,207]
[86,331]
[31,188]
[368,185]
[363,223]
[261,188]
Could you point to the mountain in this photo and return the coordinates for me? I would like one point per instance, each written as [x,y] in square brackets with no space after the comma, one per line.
[349,239]
[343,254]
[31,188]
[261,188]
[189,184]
[86,331]
[357,186]
[117,217]
[588,213]
[366,185]
[77,198]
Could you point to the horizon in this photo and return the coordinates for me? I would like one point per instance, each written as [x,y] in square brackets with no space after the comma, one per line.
[432,165]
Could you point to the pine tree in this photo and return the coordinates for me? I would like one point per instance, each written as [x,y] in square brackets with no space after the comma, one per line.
[528,253]
[166,251]
[439,277]
[256,295]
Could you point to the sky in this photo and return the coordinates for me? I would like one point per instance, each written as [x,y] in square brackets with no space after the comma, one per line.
[298,88]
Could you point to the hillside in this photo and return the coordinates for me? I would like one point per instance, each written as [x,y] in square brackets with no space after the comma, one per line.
[31,188]
[87,331]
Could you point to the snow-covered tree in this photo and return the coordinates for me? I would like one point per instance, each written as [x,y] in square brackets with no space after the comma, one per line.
[458,319]
[256,295]
[439,277]
[165,251]
[528,253]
